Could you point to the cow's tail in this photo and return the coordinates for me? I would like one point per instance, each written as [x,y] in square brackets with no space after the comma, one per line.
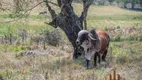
[108,41]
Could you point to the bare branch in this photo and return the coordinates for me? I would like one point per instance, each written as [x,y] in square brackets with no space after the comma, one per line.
[34,6]
[59,3]
[53,3]
[86,4]
[52,12]
[4,6]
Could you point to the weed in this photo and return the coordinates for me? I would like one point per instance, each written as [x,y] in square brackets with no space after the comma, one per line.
[117,37]
[106,28]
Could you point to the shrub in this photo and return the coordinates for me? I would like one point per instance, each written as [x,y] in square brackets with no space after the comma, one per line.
[37,38]
[18,48]
[140,37]
[54,37]
[45,32]
[118,27]
[117,37]
[106,28]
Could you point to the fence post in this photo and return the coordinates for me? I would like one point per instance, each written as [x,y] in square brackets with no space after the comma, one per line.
[117,77]
[113,73]
[112,76]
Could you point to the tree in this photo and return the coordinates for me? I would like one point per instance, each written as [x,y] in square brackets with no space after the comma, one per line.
[110,1]
[138,2]
[141,3]
[68,21]
[117,1]
[125,2]
[133,3]
[101,2]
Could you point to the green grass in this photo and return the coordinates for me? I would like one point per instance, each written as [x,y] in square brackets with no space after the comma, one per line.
[15,26]
[31,16]
[115,17]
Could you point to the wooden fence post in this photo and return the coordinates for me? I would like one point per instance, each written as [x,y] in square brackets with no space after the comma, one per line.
[112,76]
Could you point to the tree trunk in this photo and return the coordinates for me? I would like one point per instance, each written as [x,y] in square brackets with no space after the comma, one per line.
[133,3]
[125,5]
[70,24]
[68,21]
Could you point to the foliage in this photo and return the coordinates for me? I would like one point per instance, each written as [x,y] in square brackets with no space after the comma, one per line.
[139,37]
[117,37]
[54,37]
[106,28]
[45,31]
[110,1]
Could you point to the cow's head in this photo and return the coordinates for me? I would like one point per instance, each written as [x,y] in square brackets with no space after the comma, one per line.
[84,35]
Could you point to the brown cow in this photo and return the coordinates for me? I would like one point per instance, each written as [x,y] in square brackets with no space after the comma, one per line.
[95,43]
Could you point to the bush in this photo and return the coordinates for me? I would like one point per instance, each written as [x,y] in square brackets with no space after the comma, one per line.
[18,48]
[117,37]
[54,37]
[106,28]
[118,27]
[140,37]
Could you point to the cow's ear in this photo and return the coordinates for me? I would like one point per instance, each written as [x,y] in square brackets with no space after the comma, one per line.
[91,37]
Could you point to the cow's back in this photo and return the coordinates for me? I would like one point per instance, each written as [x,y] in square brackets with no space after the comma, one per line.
[104,39]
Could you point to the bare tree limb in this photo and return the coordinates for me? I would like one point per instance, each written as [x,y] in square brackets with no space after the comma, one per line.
[59,3]
[2,3]
[52,12]
[53,3]
[86,4]
[34,6]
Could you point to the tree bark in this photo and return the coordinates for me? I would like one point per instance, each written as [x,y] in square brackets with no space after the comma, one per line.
[68,21]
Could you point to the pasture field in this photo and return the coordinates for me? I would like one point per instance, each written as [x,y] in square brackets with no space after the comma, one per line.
[124,57]
[56,63]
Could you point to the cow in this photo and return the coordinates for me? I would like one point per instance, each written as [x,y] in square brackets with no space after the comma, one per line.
[95,43]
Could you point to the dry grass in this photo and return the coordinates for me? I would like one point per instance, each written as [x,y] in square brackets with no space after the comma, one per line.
[110,10]
[58,64]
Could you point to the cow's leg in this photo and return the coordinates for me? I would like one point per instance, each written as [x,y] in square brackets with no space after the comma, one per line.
[99,58]
[95,59]
[87,63]
[104,55]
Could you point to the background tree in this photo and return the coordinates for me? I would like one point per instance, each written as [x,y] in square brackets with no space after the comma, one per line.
[110,1]
[133,3]
[101,2]
[125,2]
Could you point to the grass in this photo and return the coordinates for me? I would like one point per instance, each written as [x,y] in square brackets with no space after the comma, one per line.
[123,56]
[55,66]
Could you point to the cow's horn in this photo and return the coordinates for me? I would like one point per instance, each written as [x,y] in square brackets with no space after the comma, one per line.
[90,36]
